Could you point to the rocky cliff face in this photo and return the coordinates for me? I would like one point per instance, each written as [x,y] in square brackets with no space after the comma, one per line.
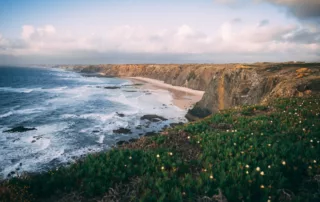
[225,85]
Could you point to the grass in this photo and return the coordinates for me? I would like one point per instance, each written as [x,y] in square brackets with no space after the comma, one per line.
[252,153]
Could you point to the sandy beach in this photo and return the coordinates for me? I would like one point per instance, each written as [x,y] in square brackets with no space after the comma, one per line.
[183,97]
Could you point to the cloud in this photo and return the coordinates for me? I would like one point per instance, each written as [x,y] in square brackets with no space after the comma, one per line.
[263,23]
[300,8]
[303,9]
[233,3]
[232,39]
[236,20]
[8,45]
[225,1]
[304,36]
[27,31]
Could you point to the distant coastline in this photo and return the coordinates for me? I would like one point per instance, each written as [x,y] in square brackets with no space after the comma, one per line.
[225,85]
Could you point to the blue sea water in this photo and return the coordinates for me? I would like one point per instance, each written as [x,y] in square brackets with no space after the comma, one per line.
[74,115]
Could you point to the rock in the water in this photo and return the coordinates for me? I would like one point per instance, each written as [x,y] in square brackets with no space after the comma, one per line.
[122,142]
[19,129]
[133,140]
[111,87]
[150,134]
[122,130]
[15,139]
[153,118]
[176,124]
[33,141]
[135,84]
[120,114]
[38,137]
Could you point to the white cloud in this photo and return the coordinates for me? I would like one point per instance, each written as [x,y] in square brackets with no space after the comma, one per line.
[230,38]
[27,31]
[225,1]
[262,23]
[300,8]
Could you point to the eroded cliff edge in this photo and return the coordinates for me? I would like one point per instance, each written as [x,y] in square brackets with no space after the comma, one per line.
[225,85]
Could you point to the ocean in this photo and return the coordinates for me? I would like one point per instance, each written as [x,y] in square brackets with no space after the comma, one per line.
[73,115]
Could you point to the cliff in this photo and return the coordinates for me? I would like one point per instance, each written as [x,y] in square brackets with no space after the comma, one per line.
[225,85]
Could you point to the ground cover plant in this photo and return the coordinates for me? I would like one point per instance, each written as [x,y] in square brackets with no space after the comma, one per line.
[249,153]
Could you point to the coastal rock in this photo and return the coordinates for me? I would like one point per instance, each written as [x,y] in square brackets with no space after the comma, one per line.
[122,142]
[19,129]
[132,140]
[120,114]
[148,134]
[153,118]
[111,87]
[38,137]
[172,125]
[15,139]
[122,131]
[135,84]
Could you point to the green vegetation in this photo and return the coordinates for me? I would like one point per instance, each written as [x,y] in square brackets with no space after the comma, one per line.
[256,153]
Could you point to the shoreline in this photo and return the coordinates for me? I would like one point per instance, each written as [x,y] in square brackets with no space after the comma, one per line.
[182,97]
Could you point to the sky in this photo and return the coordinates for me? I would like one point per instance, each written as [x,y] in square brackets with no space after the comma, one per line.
[165,31]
